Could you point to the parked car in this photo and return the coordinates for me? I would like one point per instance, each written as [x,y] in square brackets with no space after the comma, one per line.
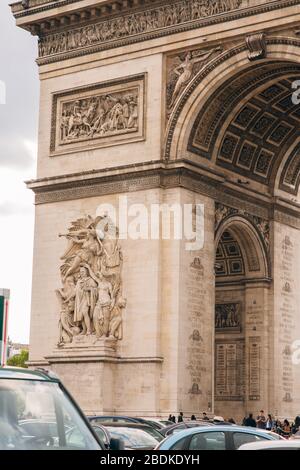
[135,436]
[37,413]
[281,444]
[40,427]
[155,423]
[174,428]
[221,437]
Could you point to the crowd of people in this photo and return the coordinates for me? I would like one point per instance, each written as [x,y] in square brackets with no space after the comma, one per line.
[284,428]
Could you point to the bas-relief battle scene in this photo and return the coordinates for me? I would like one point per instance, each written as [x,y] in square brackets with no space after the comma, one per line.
[228,130]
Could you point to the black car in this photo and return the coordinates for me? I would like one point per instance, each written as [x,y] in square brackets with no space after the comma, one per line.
[128,419]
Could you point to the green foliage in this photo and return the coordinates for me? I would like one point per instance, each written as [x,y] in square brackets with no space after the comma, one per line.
[19,359]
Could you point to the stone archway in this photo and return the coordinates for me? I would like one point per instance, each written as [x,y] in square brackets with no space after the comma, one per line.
[229,93]
[235,125]
[241,318]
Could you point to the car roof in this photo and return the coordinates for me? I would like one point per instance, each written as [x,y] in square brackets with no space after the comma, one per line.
[271,445]
[110,417]
[220,428]
[128,425]
[19,373]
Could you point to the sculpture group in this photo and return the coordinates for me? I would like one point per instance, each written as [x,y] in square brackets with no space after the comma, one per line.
[98,116]
[136,23]
[227,316]
[91,300]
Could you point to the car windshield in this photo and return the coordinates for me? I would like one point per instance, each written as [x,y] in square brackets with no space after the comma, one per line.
[38,415]
[133,438]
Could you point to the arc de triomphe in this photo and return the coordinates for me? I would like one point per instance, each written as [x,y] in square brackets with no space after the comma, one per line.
[168,102]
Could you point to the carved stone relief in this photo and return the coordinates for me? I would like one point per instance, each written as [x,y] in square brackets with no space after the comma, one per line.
[228,317]
[133,24]
[91,299]
[257,46]
[182,68]
[99,115]
[222,212]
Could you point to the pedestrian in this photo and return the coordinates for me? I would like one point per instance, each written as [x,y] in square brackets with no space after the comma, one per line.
[231,420]
[250,421]
[269,423]
[170,417]
[296,425]
[173,419]
[180,417]
[204,416]
[261,420]
[286,428]
[193,418]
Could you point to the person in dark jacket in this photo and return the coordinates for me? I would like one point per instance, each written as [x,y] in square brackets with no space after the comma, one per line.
[250,421]
[296,425]
[180,417]
[193,418]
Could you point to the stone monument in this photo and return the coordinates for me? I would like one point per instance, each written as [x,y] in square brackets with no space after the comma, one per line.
[150,104]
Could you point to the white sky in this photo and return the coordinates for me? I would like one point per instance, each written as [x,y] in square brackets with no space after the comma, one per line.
[18,134]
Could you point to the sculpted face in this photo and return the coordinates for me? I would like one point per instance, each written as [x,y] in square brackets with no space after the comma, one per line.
[70,281]
[83,272]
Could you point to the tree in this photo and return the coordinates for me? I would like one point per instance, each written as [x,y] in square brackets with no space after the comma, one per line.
[19,360]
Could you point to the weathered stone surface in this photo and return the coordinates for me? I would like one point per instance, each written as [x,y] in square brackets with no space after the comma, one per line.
[144,102]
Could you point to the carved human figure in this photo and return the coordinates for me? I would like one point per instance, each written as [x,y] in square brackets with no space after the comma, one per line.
[104,305]
[67,326]
[110,261]
[89,248]
[116,321]
[186,68]
[85,301]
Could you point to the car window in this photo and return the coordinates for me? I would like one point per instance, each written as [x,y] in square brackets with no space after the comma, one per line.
[38,415]
[208,441]
[153,432]
[75,439]
[180,445]
[240,438]
[101,434]
[154,424]
[132,438]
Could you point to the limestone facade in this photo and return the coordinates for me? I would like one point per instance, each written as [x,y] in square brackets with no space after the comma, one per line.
[178,102]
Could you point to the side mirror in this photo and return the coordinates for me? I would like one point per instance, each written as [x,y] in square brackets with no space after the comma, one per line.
[116,444]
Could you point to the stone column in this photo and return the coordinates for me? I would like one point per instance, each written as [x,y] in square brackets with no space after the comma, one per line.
[286,271]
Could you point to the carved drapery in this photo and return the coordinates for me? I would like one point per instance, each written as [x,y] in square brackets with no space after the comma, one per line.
[91,299]
[181,69]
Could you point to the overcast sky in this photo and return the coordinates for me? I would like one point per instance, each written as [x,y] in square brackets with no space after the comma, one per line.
[18,139]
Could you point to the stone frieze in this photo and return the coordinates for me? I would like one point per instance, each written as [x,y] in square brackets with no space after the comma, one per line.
[99,115]
[137,23]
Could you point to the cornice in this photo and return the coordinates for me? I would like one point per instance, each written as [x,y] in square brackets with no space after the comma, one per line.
[159,174]
[63,24]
